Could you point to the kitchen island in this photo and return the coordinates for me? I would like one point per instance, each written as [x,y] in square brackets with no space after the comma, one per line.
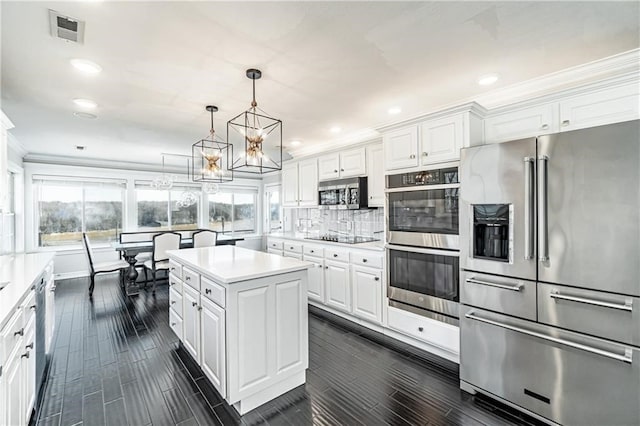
[242,315]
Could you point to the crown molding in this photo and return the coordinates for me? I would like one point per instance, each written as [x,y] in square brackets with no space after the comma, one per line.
[471,107]
[117,165]
[16,145]
[4,120]
[625,65]
[350,140]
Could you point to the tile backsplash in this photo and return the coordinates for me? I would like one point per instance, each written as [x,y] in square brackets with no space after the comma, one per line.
[315,222]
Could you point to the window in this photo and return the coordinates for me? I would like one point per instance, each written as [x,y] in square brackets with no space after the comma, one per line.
[66,207]
[233,212]
[273,216]
[159,210]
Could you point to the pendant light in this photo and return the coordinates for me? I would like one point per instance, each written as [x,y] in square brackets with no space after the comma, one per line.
[163,182]
[210,156]
[257,135]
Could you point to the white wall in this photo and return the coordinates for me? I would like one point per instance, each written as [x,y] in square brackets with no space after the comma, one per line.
[71,261]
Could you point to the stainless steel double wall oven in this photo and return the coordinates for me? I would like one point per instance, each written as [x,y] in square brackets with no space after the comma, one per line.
[423,243]
[550,279]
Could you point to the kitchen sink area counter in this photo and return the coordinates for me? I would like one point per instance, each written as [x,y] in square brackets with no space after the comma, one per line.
[242,315]
[315,239]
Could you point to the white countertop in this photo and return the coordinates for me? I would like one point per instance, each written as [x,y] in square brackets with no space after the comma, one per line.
[230,264]
[373,245]
[20,270]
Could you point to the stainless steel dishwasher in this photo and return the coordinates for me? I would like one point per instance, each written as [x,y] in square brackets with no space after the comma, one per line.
[41,356]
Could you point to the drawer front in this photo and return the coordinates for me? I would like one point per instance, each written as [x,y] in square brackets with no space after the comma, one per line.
[213,292]
[175,301]
[191,278]
[175,268]
[337,255]
[315,251]
[175,322]
[506,295]
[364,259]
[29,306]
[553,378]
[275,244]
[175,283]
[609,316]
[275,251]
[297,256]
[434,332]
[292,247]
[11,333]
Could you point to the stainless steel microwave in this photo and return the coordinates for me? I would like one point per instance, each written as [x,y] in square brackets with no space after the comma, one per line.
[348,194]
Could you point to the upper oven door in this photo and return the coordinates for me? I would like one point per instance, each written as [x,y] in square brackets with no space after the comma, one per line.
[423,217]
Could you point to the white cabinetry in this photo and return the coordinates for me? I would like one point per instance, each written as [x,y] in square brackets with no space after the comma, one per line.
[375,174]
[367,293]
[316,278]
[441,139]
[191,318]
[588,109]
[50,319]
[344,164]
[213,344]
[336,277]
[300,183]
[14,384]
[400,148]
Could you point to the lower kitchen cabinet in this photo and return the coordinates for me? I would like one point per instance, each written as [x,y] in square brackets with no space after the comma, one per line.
[336,277]
[367,293]
[316,278]
[212,337]
[13,390]
[191,321]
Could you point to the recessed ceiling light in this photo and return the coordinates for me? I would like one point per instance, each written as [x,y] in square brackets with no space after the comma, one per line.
[85,103]
[295,143]
[336,129]
[394,110]
[488,79]
[86,66]
[85,115]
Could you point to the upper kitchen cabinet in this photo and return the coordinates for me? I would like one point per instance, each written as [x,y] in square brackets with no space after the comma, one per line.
[300,183]
[375,175]
[562,112]
[343,164]
[432,139]
[400,148]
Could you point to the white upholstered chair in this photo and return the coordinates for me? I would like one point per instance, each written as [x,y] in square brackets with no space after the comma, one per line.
[159,259]
[204,238]
[101,267]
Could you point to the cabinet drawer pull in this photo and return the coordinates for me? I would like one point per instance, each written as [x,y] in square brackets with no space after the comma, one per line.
[194,303]
[420,329]
[626,358]
[544,127]
[199,308]
[173,324]
[516,287]
[335,171]
[319,266]
[623,307]
[188,278]
[33,307]
[326,267]
[412,156]
[364,260]
[424,154]
[335,255]
[173,268]
[207,291]
[25,355]
[377,279]
[290,248]
[312,251]
[173,302]
[29,346]
[565,122]
[342,170]
[19,332]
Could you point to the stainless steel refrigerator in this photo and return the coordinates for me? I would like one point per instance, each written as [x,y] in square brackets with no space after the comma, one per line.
[550,274]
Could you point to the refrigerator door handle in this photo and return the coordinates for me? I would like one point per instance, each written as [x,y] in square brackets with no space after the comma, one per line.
[626,358]
[543,241]
[528,207]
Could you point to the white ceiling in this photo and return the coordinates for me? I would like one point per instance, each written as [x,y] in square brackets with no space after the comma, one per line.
[324,64]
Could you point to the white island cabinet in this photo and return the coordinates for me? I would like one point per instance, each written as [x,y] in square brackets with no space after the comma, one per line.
[242,315]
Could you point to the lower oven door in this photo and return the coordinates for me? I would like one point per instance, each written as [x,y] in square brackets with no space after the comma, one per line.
[566,377]
[426,278]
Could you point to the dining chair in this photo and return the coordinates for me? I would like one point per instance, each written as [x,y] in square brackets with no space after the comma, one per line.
[204,238]
[159,259]
[101,267]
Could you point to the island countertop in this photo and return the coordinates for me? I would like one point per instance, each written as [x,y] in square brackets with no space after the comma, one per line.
[231,264]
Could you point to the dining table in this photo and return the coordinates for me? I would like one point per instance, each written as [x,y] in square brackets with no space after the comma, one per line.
[130,250]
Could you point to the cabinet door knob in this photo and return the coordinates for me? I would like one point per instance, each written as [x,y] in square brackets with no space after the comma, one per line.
[312,251]
[377,279]
[335,171]
[544,127]
[193,303]
[420,329]
[371,197]
[335,255]
[199,308]
[326,267]
[342,170]
[364,260]
[565,122]
[319,266]
[207,291]
[424,154]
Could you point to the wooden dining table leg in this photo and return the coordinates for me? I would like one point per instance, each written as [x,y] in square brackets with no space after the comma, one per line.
[131,286]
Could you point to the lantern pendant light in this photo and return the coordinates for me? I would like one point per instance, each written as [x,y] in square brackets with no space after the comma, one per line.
[210,157]
[257,136]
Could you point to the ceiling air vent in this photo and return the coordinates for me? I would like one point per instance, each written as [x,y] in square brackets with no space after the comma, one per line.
[66,27]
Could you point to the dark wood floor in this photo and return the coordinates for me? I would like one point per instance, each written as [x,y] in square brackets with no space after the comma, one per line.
[116,362]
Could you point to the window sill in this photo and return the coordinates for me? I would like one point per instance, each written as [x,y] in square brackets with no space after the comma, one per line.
[73,248]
